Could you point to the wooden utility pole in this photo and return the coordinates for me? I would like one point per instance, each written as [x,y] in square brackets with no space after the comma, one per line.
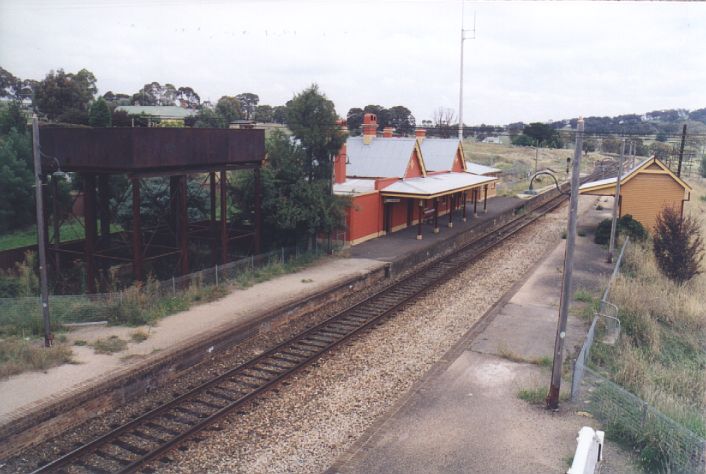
[555,386]
[41,240]
[681,150]
[616,205]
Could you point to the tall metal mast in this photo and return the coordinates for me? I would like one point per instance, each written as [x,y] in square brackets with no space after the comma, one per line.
[460,91]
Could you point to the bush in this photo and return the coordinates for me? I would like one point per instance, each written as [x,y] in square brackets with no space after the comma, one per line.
[678,245]
[626,225]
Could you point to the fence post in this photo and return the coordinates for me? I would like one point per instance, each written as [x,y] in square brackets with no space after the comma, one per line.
[216,274]
[173,286]
[643,418]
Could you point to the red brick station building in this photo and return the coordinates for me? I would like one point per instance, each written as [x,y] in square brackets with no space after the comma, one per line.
[400,182]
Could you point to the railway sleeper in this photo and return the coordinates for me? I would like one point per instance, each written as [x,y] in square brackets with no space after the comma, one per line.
[112,457]
[189,411]
[212,393]
[178,419]
[129,447]
[148,437]
[323,338]
[91,468]
[280,356]
[205,403]
[267,369]
[161,428]
[333,332]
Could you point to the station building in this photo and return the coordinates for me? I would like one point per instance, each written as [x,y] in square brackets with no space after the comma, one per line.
[645,191]
[399,182]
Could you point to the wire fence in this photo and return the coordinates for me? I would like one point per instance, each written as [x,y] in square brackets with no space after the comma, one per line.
[145,302]
[666,445]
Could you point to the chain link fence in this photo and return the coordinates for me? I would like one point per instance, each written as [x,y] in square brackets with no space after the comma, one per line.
[667,446]
[140,304]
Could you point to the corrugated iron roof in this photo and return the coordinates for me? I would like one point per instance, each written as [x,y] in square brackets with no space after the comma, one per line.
[478,169]
[354,186]
[164,111]
[439,153]
[382,158]
[436,184]
[614,179]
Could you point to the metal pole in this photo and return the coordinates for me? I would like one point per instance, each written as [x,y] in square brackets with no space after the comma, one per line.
[460,87]
[616,205]
[553,396]
[41,240]
[681,150]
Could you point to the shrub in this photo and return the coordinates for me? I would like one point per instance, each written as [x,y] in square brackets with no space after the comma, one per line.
[626,225]
[678,245]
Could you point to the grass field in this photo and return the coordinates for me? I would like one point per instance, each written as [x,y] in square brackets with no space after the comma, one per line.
[518,162]
[70,230]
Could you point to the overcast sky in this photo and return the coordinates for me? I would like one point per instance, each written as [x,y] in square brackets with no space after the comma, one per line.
[529,61]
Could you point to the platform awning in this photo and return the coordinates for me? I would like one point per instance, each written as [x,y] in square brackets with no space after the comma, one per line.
[436,185]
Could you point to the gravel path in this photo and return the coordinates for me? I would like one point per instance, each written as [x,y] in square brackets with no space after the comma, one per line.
[307,423]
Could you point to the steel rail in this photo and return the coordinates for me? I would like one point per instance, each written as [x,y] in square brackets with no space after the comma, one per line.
[177,420]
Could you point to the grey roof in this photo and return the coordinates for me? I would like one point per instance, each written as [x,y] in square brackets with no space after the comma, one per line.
[382,158]
[614,179]
[164,111]
[476,168]
[439,153]
[437,184]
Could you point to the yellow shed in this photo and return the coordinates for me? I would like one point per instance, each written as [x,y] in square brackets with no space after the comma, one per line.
[644,191]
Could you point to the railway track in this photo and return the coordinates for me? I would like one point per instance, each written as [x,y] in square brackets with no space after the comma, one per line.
[129,447]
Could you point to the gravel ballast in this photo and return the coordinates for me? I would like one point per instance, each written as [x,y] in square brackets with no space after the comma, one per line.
[308,421]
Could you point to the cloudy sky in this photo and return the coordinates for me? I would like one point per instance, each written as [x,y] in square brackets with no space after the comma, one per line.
[529,60]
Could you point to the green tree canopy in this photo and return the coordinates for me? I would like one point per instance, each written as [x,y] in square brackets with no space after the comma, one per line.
[99,115]
[312,119]
[248,102]
[279,114]
[543,135]
[66,96]
[401,119]
[263,114]
[229,108]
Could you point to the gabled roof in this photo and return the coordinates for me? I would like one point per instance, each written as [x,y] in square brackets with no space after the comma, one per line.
[608,183]
[164,111]
[476,168]
[382,158]
[439,153]
[435,185]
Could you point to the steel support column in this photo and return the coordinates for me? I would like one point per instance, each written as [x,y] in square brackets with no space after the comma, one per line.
[137,261]
[89,211]
[258,211]
[451,210]
[465,193]
[410,212]
[224,217]
[485,199]
[475,202]
[212,194]
[436,215]
[104,208]
[56,222]
[421,218]
[183,225]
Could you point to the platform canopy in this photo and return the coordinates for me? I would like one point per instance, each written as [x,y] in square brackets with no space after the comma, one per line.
[479,169]
[436,185]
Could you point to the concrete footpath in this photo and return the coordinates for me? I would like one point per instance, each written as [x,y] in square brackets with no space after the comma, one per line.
[466,416]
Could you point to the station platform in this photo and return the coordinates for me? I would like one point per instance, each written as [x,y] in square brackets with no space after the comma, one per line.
[33,398]
[398,245]
[465,416]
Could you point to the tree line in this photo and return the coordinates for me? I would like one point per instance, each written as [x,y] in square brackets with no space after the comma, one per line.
[298,203]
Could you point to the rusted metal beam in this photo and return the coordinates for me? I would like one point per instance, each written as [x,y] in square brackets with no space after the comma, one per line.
[89,197]
[183,225]
[137,261]
[224,217]
[258,211]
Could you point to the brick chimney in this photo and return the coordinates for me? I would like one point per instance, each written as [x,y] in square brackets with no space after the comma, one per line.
[370,128]
[421,134]
[387,132]
[339,165]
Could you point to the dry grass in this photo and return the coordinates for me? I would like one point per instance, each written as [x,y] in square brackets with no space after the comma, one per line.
[19,355]
[661,356]
[109,345]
